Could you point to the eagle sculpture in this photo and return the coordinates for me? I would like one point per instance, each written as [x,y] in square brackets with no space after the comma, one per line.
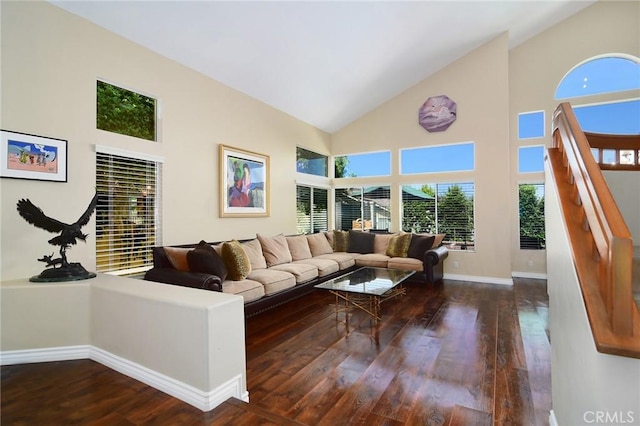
[69,234]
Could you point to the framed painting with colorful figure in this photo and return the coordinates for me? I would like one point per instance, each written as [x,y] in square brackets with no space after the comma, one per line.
[244,183]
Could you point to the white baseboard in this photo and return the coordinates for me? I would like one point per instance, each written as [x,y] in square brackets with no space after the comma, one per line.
[200,399]
[534,275]
[552,419]
[30,356]
[477,279]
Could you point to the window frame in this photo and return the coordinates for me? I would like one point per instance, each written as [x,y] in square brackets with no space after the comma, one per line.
[154,232]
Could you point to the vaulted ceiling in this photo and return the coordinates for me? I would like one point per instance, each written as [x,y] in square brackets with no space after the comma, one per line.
[326,63]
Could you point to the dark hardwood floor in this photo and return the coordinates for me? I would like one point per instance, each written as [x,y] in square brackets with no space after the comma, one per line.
[457,354]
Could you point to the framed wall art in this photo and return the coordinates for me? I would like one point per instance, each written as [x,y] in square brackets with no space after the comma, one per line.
[25,156]
[244,183]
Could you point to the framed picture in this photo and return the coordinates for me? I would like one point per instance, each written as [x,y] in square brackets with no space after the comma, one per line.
[25,156]
[244,183]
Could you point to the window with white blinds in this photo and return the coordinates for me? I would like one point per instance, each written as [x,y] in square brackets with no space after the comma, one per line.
[311,209]
[363,208]
[442,208]
[531,209]
[128,212]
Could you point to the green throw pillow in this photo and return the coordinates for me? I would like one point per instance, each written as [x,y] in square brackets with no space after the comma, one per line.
[399,245]
[236,260]
[340,240]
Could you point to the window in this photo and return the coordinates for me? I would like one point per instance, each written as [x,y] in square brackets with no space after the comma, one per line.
[363,208]
[125,112]
[531,209]
[311,212]
[128,211]
[605,74]
[363,165]
[311,163]
[622,118]
[531,159]
[442,158]
[531,125]
[612,74]
[444,208]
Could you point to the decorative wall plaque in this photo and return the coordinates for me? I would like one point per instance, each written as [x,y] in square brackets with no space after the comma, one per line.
[437,113]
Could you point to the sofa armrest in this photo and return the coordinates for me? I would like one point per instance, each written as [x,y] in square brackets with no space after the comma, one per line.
[184,279]
[436,255]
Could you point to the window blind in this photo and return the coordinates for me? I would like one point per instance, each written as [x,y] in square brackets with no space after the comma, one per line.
[531,211]
[127,214]
[311,209]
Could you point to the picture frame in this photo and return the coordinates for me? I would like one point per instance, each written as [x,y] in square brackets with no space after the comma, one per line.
[27,156]
[244,183]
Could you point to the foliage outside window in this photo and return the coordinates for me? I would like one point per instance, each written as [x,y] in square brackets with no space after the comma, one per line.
[363,208]
[312,163]
[125,112]
[127,214]
[444,208]
[363,165]
[311,209]
[531,209]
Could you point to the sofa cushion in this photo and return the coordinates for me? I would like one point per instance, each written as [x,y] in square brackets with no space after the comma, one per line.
[319,244]
[254,252]
[299,247]
[344,260]
[372,259]
[275,249]
[419,245]
[324,266]
[272,280]
[360,242]
[178,257]
[405,263]
[303,272]
[399,245]
[249,290]
[205,259]
[340,241]
[236,260]
[381,242]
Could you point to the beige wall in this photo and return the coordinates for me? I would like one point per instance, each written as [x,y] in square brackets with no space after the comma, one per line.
[538,65]
[478,84]
[50,62]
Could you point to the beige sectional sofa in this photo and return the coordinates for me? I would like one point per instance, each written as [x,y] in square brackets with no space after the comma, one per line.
[270,270]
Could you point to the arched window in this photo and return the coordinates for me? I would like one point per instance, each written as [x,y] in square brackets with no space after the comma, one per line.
[614,73]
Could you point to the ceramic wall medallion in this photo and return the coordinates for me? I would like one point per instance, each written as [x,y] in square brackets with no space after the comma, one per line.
[437,113]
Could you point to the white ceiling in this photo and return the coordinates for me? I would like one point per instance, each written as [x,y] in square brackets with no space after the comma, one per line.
[326,63]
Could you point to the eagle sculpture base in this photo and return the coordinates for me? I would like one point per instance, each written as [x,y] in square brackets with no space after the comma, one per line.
[72,272]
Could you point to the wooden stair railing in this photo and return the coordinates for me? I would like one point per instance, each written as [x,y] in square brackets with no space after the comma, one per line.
[600,240]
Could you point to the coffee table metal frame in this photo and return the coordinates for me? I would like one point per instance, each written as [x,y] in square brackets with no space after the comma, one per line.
[366,288]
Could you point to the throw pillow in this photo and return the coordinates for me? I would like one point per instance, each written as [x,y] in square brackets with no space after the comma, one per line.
[299,247]
[254,252]
[419,245]
[319,244]
[360,242]
[178,257]
[340,240]
[206,260]
[275,249]
[236,260]
[399,245]
[381,242]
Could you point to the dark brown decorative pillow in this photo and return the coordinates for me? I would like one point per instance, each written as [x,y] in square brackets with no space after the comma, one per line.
[360,242]
[419,246]
[399,245]
[340,240]
[205,259]
[178,257]
[236,260]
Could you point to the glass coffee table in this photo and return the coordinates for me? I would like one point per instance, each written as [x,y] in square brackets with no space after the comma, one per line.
[366,289]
